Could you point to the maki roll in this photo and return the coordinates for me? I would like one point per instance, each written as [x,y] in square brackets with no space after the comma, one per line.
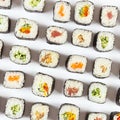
[14,108]
[4,24]
[97,92]
[5,4]
[84,12]
[69,112]
[96,116]
[62,11]
[102,67]
[105,41]
[43,85]
[34,5]
[76,63]
[14,79]
[73,88]
[49,58]
[39,111]
[26,29]
[81,38]
[1,47]
[109,16]
[20,55]
[115,116]
[56,35]
[118,97]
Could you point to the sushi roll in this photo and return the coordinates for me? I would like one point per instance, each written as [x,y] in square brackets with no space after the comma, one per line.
[34,5]
[39,111]
[97,92]
[5,4]
[73,88]
[14,108]
[69,112]
[4,24]
[118,97]
[56,35]
[109,15]
[14,79]
[20,54]
[76,63]
[1,47]
[84,12]
[102,67]
[115,116]
[104,41]
[62,11]
[43,85]
[96,116]
[81,38]
[49,58]
[26,29]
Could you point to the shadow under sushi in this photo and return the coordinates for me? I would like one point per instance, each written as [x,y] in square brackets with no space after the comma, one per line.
[2,73]
[3,102]
[90,64]
[115,68]
[117,42]
[12,24]
[16,3]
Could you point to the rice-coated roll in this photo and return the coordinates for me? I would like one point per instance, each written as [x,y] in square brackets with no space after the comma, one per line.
[118,97]
[76,63]
[5,4]
[62,11]
[97,92]
[102,67]
[73,88]
[115,116]
[109,16]
[39,111]
[4,24]
[105,41]
[49,58]
[14,79]
[69,112]
[96,116]
[34,5]
[20,54]
[1,47]
[84,12]
[56,35]
[14,108]
[43,85]
[81,37]
[26,29]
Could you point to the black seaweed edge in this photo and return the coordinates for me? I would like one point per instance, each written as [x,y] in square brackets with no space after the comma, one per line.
[118,97]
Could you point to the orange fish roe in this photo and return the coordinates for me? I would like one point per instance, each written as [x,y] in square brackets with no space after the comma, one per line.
[77,65]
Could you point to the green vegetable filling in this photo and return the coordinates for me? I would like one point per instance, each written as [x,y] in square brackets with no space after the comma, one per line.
[20,56]
[15,109]
[34,3]
[96,92]
[104,41]
[1,20]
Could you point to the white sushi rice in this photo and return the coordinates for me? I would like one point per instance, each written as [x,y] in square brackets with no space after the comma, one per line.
[76,59]
[5,3]
[72,84]
[41,79]
[94,116]
[15,83]
[58,39]
[69,108]
[110,44]
[101,98]
[105,21]
[39,112]
[49,58]
[83,20]
[11,103]
[34,7]
[81,37]
[66,11]
[33,30]
[4,23]
[102,67]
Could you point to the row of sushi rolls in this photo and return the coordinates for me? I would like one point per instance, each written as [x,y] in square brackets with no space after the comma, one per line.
[43,84]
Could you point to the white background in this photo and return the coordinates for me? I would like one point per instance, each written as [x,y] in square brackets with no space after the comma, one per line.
[60,73]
